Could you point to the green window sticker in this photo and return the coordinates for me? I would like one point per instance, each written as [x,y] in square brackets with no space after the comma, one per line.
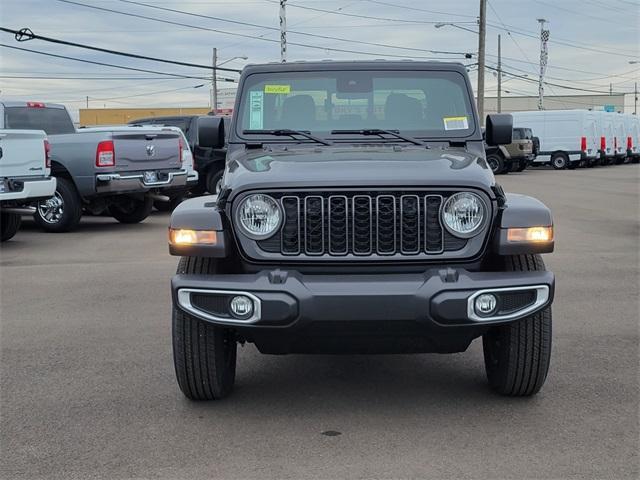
[256,106]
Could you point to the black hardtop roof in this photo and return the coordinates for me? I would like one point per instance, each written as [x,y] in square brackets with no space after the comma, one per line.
[333,65]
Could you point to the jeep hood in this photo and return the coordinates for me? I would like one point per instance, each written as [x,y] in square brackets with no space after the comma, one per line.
[331,167]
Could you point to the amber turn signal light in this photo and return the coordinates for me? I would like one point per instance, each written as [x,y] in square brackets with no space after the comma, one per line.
[180,236]
[531,234]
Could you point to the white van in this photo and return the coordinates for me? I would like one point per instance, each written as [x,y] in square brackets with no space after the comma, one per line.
[568,138]
[606,133]
[632,124]
[620,138]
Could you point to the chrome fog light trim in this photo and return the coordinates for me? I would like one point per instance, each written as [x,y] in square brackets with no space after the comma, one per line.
[542,297]
[184,301]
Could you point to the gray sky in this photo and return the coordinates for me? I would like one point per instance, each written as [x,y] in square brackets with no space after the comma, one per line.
[592,42]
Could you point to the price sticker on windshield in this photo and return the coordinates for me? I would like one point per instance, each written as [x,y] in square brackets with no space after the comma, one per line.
[256,110]
[456,123]
[281,89]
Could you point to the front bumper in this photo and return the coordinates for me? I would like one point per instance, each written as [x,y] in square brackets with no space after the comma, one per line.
[290,304]
[30,190]
[135,182]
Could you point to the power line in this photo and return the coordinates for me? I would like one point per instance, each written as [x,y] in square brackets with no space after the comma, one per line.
[105,64]
[415,9]
[313,35]
[237,34]
[26,34]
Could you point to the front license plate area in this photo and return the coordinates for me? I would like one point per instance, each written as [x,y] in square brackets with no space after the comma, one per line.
[150,177]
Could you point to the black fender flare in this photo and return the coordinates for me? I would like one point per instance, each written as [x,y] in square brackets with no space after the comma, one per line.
[199,213]
[522,211]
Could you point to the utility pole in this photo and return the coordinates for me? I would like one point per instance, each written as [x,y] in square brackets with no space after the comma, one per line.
[283,31]
[214,81]
[635,98]
[482,21]
[499,77]
[544,38]
[611,89]
[87,101]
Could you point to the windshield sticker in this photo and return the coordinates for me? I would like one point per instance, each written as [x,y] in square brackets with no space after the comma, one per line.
[256,105]
[455,123]
[282,89]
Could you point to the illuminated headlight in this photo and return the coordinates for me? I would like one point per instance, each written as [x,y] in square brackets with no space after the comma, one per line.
[464,214]
[259,216]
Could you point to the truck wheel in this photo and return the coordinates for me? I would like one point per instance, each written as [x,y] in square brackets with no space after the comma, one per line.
[496,163]
[522,166]
[516,355]
[62,212]
[204,355]
[9,225]
[559,161]
[213,181]
[131,211]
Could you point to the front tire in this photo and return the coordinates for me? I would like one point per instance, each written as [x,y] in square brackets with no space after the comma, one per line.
[62,212]
[9,225]
[559,161]
[213,181]
[517,355]
[496,163]
[131,211]
[204,355]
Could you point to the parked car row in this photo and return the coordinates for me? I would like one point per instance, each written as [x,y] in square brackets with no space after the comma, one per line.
[582,138]
[57,173]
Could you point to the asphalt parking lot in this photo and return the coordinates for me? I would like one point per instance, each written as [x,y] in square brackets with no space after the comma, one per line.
[88,388]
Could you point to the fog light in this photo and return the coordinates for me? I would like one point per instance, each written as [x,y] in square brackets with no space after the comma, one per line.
[241,306]
[486,304]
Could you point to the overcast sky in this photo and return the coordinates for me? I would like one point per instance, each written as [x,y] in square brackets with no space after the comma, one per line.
[591,43]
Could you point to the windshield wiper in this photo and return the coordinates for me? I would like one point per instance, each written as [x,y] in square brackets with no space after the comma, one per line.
[380,132]
[287,132]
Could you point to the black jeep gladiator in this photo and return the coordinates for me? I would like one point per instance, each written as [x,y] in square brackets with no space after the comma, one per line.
[357,214]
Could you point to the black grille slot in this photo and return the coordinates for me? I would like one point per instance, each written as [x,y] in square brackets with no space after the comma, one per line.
[338,225]
[386,226]
[314,225]
[217,305]
[362,225]
[357,223]
[513,301]
[291,226]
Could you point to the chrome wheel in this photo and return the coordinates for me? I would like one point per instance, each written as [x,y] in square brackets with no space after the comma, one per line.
[51,210]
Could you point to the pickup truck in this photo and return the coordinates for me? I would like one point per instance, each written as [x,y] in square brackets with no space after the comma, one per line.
[24,176]
[209,162]
[118,172]
[173,196]
[358,214]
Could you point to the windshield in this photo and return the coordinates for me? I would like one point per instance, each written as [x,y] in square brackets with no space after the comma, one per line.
[431,104]
[53,121]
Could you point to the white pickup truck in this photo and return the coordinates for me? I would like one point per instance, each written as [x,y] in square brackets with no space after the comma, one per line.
[25,176]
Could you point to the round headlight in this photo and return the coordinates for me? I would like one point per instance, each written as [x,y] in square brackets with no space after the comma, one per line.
[464,214]
[259,216]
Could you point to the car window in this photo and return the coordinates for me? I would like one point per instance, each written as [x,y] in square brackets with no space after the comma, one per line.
[420,103]
[52,120]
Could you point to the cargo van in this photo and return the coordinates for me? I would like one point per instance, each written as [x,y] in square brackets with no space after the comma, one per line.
[632,124]
[620,138]
[606,133]
[568,138]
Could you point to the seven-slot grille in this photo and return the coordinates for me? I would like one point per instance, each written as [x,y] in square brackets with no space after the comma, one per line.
[361,224]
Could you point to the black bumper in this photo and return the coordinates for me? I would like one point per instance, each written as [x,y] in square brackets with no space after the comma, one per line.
[393,313]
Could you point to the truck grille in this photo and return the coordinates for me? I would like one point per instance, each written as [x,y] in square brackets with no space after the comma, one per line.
[362,224]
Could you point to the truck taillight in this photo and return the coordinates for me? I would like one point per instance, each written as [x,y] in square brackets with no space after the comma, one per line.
[47,154]
[35,104]
[603,144]
[180,146]
[629,143]
[583,144]
[105,154]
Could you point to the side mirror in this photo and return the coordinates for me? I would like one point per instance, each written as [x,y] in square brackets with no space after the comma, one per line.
[211,132]
[499,129]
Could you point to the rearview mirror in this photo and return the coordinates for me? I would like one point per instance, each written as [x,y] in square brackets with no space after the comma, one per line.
[211,132]
[499,129]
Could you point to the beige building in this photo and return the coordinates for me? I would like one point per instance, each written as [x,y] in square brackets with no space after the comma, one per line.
[118,116]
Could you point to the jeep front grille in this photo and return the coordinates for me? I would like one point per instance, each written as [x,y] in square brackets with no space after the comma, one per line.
[361,224]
